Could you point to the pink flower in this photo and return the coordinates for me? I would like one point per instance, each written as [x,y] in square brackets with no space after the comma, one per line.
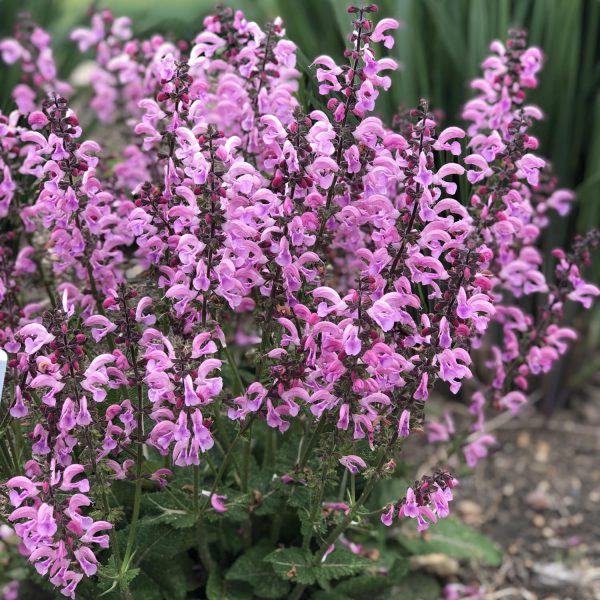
[12,51]
[384,25]
[67,482]
[513,401]
[480,162]
[453,367]
[36,336]
[353,463]
[388,310]
[561,201]
[387,516]
[142,305]
[404,424]
[353,159]
[530,166]
[477,449]
[218,503]
[443,141]
[409,507]
[422,391]
[96,375]
[424,176]
[584,293]
[101,326]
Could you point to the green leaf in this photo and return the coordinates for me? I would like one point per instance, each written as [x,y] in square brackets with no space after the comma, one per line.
[145,588]
[159,540]
[365,586]
[300,497]
[174,582]
[451,537]
[342,563]
[252,568]
[417,586]
[293,564]
[399,569]
[218,588]
[229,538]
[168,510]
[111,577]
[329,595]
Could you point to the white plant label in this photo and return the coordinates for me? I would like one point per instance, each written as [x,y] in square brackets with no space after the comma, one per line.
[3,361]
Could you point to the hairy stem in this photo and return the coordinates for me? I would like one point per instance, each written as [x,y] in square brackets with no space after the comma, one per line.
[347,520]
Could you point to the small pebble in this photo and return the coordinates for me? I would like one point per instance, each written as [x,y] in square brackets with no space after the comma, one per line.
[548,532]
[595,496]
[538,499]
[470,512]
[542,452]
[539,521]
[576,519]
[508,489]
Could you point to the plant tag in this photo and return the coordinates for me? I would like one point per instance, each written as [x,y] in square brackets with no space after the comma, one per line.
[3,361]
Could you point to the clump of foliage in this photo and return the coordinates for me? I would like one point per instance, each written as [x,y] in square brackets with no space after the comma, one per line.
[223,327]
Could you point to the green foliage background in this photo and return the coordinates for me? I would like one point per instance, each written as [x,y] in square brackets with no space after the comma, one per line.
[440,46]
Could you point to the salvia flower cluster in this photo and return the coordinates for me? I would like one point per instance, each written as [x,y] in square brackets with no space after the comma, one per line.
[234,260]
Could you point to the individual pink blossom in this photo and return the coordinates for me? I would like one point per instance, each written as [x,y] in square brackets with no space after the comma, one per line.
[353,463]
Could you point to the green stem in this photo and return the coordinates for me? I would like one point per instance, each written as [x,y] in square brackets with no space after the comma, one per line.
[277,522]
[307,538]
[236,373]
[136,505]
[312,443]
[138,479]
[41,271]
[6,460]
[13,450]
[203,548]
[246,463]
[211,464]
[345,522]
[343,484]
[196,487]
[228,456]
[219,423]
[114,542]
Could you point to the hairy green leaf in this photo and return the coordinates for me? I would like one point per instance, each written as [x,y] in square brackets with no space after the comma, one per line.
[293,564]
[451,537]
[253,569]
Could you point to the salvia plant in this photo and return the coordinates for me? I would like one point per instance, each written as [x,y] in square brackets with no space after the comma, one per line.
[223,325]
